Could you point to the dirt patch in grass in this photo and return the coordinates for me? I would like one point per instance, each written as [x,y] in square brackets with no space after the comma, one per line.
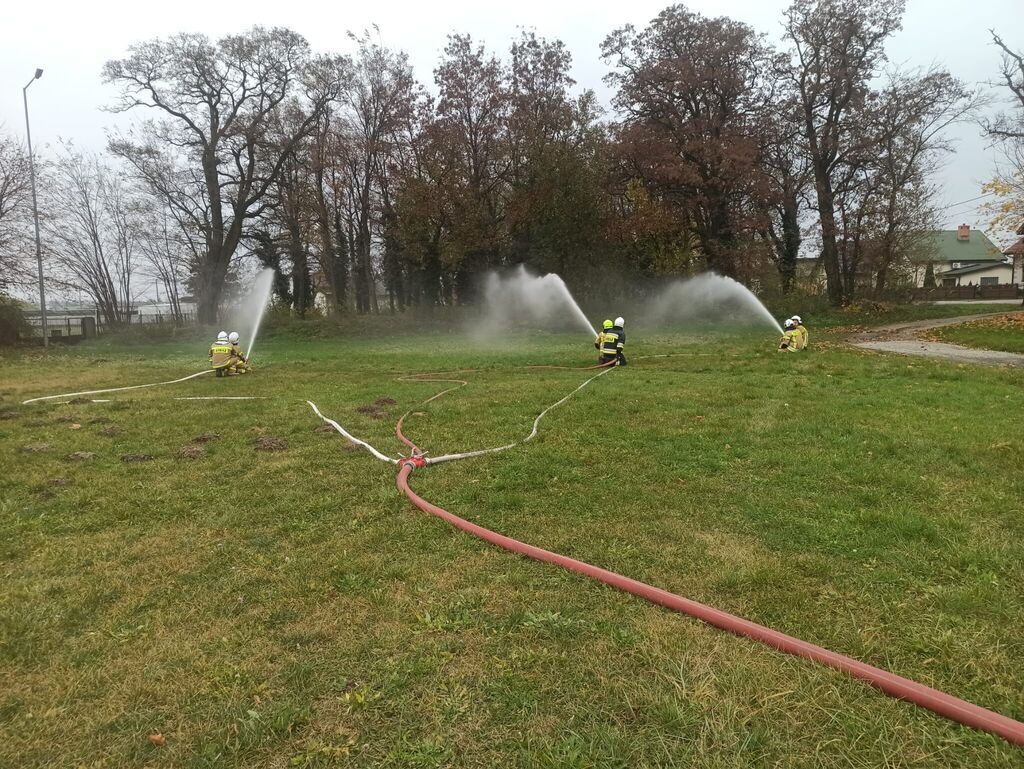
[206,438]
[80,456]
[385,402]
[270,443]
[9,415]
[350,446]
[67,418]
[79,400]
[136,457]
[36,448]
[192,451]
[326,429]
[60,480]
[110,431]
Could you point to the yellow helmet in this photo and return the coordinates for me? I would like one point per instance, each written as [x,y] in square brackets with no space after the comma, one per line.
[607,324]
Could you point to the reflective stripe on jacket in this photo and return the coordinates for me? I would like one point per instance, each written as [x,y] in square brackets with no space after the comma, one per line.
[612,341]
[221,355]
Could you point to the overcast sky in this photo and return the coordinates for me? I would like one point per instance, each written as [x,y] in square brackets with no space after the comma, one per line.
[72,40]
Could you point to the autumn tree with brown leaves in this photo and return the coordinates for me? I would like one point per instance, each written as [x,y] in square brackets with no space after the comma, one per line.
[692,91]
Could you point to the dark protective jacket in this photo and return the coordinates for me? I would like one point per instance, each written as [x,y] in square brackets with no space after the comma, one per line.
[612,342]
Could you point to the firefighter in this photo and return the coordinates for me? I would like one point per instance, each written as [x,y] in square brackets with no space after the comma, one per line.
[789,337]
[241,364]
[606,326]
[801,330]
[618,328]
[221,354]
[611,343]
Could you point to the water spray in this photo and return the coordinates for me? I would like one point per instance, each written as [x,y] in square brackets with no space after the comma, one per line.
[534,300]
[710,297]
[249,314]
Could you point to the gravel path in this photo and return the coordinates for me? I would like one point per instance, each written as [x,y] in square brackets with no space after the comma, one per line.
[901,338]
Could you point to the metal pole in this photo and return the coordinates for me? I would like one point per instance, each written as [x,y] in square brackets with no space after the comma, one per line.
[35,208]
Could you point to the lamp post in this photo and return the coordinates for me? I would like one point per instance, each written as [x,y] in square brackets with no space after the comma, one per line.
[35,207]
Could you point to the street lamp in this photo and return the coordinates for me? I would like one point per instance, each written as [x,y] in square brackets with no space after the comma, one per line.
[35,207]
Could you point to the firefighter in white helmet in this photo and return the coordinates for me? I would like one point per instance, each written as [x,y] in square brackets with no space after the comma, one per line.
[619,340]
[241,364]
[221,356]
[789,337]
[801,330]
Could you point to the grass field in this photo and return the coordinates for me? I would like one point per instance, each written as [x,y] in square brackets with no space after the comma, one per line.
[1005,332]
[290,608]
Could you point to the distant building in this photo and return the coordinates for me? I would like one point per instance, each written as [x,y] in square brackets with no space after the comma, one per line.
[962,257]
[1016,255]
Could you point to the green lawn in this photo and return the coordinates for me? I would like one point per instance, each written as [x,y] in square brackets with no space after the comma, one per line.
[290,608]
[1003,333]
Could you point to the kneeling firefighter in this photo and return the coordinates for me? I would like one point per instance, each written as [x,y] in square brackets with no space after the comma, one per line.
[222,354]
[790,338]
[612,342]
[619,328]
[599,342]
[241,364]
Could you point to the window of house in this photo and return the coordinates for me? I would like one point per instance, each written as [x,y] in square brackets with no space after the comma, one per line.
[949,281]
[990,281]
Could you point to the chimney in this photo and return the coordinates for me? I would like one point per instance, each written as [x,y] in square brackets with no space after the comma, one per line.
[963,233]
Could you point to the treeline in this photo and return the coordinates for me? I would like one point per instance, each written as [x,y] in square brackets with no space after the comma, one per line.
[357,182]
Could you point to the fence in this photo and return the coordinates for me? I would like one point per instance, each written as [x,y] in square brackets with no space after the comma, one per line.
[966,293]
[85,323]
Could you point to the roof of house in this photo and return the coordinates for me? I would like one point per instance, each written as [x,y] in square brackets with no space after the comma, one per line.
[1016,248]
[1020,230]
[945,247]
[976,268]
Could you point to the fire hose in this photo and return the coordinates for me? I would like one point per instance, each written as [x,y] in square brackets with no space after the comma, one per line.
[953,708]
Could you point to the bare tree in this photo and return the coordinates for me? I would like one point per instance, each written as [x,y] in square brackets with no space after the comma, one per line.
[375,102]
[838,46]
[91,233]
[907,124]
[209,157]
[1009,126]
[166,251]
[14,212]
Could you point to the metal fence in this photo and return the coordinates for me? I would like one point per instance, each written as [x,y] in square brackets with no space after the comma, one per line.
[84,323]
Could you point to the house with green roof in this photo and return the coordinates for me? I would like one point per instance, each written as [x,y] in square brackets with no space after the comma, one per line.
[961,257]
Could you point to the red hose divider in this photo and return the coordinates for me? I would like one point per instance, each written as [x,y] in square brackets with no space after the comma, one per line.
[955,709]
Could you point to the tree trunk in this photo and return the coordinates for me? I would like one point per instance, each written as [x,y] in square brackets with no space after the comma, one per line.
[829,247]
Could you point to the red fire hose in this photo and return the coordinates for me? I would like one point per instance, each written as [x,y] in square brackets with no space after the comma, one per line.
[902,688]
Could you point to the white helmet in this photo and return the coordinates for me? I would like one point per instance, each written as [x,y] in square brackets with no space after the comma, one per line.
[222,336]
[789,323]
[233,337]
[796,319]
[620,321]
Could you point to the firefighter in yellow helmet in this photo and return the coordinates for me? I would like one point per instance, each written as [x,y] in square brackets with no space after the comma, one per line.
[599,342]
[241,364]
[612,341]
[221,354]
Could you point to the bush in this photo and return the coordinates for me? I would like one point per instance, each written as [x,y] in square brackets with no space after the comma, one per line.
[13,324]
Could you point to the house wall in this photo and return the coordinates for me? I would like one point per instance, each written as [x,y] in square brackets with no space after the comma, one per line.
[1002,272]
